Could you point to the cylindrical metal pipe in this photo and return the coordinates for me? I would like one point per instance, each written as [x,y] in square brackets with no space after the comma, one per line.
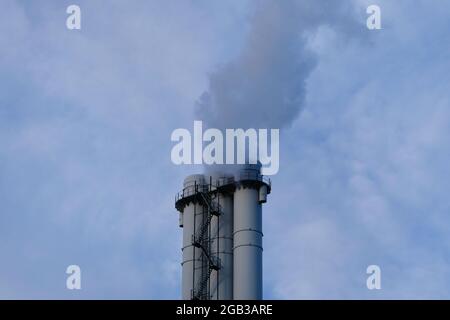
[263,194]
[221,282]
[247,250]
[192,220]
[230,265]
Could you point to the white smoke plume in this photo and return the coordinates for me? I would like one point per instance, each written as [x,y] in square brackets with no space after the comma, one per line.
[265,86]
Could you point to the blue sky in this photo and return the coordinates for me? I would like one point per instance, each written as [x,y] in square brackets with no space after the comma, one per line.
[85,124]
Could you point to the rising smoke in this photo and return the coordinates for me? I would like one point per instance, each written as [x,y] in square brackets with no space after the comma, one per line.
[265,86]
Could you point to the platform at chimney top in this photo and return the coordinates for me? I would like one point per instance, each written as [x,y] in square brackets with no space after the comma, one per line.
[248,176]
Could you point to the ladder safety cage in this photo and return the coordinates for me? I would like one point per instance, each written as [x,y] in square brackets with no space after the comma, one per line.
[208,197]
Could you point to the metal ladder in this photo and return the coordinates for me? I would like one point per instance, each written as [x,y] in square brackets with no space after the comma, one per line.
[201,239]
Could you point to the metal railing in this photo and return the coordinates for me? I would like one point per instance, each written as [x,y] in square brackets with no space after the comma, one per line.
[254,175]
[195,188]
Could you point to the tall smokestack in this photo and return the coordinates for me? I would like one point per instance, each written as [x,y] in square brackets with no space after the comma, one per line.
[264,86]
[247,235]
[221,217]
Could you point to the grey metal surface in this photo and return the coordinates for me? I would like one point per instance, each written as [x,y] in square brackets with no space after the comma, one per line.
[234,236]
[247,250]
[221,284]
[191,255]
[263,194]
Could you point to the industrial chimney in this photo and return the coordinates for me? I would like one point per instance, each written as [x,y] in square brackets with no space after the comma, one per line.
[221,217]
